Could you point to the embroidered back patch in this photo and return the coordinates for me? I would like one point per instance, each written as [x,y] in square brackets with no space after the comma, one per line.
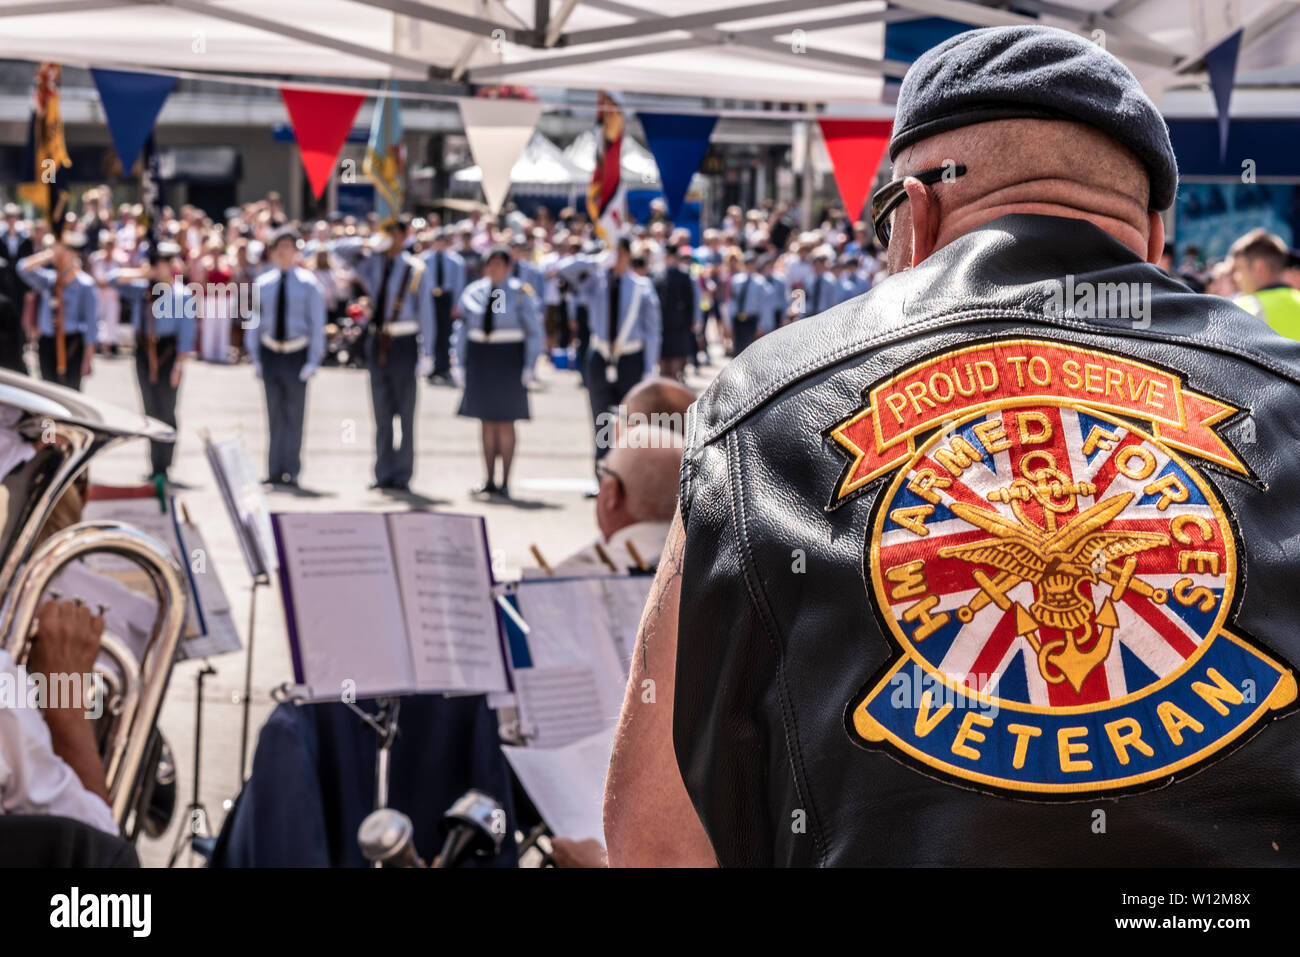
[1056,573]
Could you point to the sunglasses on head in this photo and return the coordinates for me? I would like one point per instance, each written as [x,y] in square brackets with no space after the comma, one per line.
[890,196]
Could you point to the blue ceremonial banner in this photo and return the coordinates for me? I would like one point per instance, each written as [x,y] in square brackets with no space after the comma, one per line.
[678,142]
[385,162]
[132,102]
[1221,64]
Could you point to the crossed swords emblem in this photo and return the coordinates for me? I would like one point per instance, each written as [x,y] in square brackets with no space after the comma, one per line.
[1056,561]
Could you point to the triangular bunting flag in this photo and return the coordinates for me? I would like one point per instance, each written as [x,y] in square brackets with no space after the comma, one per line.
[497,131]
[678,142]
[321,123]
[132,102]
[1221,64]
[855,148]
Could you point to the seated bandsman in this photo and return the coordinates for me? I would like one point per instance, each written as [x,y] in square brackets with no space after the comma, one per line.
[497,341]
[634,504]
[162,316]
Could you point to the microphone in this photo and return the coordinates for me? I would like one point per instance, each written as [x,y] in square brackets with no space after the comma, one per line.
[387,838]
[474,826]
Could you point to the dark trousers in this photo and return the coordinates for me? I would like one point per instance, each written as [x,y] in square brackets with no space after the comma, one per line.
[743,332]
[392,393]
[605,395]
[286,410]
[442,334]
[47,351]
[583,322]
[158,395]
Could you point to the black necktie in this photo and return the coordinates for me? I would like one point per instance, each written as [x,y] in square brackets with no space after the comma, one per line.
[615,283]
[817,297]
[381,302]
[489,314]
[282,308]
[437,270]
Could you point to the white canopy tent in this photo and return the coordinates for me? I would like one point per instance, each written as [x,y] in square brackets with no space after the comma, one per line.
[824,51]
[543,169]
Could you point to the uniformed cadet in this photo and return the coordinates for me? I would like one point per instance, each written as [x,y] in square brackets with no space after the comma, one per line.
[679,307]
[447,275]
[823,289]
[497,340]
[778,293]
[525,270]
[750,302]
[965,559]
[852,282]
[1258,262]
[162,315]
[68,311]
[399,349]
[286,344]
[626,331]
[577,273]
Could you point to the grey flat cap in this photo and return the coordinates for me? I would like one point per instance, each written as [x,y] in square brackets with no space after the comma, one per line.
[1000,73]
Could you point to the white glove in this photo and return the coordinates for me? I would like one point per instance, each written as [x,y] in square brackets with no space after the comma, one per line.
[257,370]
[526,378]
[306,373]
[424,368]
[458,377]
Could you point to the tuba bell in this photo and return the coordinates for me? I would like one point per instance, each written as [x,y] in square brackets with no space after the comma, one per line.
[67,429]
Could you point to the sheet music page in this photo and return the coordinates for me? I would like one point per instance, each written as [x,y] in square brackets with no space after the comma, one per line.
[581,634]
[446,584]
[567,784]
[146,515]
[241,491]
[343,604]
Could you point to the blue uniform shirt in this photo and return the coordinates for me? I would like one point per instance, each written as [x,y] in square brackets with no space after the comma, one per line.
[517,317]
[751,295]
[174,309]
[778,298]
[80,303]
[639,324]
[415,294]
[527,272]
[305,317]
[823,292]
[451,279]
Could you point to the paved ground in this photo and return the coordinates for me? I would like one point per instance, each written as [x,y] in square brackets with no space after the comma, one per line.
[552,470]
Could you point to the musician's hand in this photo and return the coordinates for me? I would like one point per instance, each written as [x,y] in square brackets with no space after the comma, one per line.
[570,853]
[67,639]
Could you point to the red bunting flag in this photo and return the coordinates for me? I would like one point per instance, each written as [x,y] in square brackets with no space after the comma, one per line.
[321,123]
[855,147]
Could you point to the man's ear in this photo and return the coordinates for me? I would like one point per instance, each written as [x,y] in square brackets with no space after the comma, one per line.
[1156,239]
[925,219]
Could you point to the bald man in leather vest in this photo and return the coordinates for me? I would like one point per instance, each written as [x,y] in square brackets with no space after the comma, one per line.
[1011,536]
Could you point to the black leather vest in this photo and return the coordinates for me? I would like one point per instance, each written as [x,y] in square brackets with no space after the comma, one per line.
[998,564]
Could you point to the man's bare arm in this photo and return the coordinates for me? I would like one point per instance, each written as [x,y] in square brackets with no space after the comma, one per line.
[649,819]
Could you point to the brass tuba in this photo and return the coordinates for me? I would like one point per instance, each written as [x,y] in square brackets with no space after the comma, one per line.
[67,429]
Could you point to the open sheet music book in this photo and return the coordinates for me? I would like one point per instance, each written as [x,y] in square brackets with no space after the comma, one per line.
[388,603]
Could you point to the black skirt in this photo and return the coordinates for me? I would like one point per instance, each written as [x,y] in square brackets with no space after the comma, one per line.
[493,390]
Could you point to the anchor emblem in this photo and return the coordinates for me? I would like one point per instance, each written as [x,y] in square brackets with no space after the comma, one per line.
[1056,559]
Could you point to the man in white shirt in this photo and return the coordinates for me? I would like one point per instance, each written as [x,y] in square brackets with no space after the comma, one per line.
[49,762]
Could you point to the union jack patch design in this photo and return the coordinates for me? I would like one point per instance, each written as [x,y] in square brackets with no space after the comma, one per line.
[1057,575]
